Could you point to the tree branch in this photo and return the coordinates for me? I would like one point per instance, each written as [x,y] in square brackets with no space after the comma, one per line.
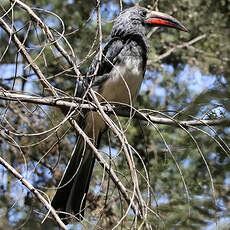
[34,191]
[105,165]
[123,111]
[27,56]
[183,45]
[49,34]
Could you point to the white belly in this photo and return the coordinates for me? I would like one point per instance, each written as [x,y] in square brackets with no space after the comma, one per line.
[122,87]
[124,83]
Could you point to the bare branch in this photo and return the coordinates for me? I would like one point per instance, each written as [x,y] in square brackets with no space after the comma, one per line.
[50,36]
[123,111]
[72,106]
[27,56]
[34,191]
[183,45]
[105,165]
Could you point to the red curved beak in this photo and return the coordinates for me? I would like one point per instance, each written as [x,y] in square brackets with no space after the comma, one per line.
[156,18]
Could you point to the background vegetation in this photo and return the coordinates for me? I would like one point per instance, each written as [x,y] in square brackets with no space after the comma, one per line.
[187,78]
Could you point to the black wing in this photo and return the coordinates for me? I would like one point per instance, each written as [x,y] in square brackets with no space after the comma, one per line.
[110,52]
[108,60]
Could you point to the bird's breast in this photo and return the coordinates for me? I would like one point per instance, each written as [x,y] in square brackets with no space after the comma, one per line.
[124,81]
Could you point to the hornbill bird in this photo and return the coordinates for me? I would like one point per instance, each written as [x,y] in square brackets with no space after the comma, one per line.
[118,77]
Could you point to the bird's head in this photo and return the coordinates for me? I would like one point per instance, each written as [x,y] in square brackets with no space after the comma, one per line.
[137,20]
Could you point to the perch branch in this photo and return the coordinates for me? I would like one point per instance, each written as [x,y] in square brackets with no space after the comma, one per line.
[124,111]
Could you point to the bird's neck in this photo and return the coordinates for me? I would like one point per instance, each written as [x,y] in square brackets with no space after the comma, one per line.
[136,46]
[139,39]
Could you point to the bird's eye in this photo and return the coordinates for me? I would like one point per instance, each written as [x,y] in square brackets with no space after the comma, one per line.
[143,13]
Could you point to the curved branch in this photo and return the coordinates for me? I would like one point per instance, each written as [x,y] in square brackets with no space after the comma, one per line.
[105,165]
[123,111]
[27,56]
[34,191]
[183,45]
[49,34]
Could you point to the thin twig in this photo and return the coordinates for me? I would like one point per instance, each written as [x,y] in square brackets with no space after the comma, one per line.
[105,165]
[27,56]
[183,45]
[34,191]
[124,111]
[50,36]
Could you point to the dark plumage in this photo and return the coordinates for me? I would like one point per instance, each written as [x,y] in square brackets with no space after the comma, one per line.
[118,79]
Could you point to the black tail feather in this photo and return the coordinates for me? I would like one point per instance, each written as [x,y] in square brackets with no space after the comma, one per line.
[71,194]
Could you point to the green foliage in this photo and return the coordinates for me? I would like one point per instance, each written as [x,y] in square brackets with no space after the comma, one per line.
[188,168]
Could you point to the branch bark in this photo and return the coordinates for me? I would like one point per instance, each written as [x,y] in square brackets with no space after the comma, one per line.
[49,34]
[105,165]
[123,111]
[34,191]
[27,56]
[183,45]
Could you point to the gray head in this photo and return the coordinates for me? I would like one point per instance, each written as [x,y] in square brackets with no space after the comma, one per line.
[130,22]
[137,20]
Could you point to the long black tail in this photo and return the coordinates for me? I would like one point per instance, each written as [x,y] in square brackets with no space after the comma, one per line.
[73,187]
